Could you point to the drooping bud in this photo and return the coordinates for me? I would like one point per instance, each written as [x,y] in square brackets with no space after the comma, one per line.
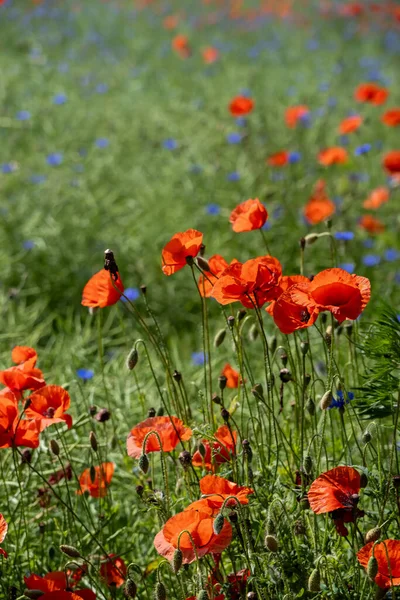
[218,523]
[231,321]
[310,406]
[70,551]
[251,596]
[92,473]
[308,464]
[144,463]
[326,400]
[258,391]
[216,399]
[203,264]
[130,590]
[271,543]
[132,359]
[372,568]
[26,456]
[253,333]
[54,447]
[160,593]
[247,451]
[160,411]
[241,315]
[314,581]
[219,338]
[307,379]
[185,458]
[222,381]
[151,412]
[284,358]
[310,239]
[177,560]
[304,347]
[103,415]
[177,375]
[143,289]
[396,481]
[93,441]
[110,264]
[373,535]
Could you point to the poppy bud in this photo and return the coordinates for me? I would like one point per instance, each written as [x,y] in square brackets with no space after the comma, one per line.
[396,481]
[218,523]
[258,392]
[285,375]
[247,451]
[103,415]
[70,551]
[185,458]
[144,463]
[272,344]
[372,568]
[203,595]
[202,450]
[177,560]
[26,456]
[92,410]
[310,239]
[314,581]
[219,338]
[251,596]
[143,289]
[241,315]
[284,358]
[271,543]
[253,333]
[177,375]
[151,412]
[304,504]
[92,473]
[308,464]
[222,380]
[189,261]
[231,321]
[160,592]
[373,535]
[304,347]
[225,415]
[130,589]
[132,359]
[233,517]
[203,264]
[310,406]
[27,404]
[271,528]
[307,379]
[202,249]
[33,594]
[363,480]
[54,447]
[93,441]
[366,437]
[326,400]
[160,411]
[216,399]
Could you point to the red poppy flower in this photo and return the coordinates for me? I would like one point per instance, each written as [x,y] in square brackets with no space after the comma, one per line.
[372,93]
[252,283]
[232,376]
[216,490]
[24,376]
[180,44]
[3,533]
[285,283]
[249,215]
[240,106]
[113,570]
[336,155]
[58,595]
[391,162]
[54,585]
[210,55]
[218,451]
[171,21]
[182,246]
[15,431]
[102,478]
[350,124]
[99,291]
[319,207]
[199,523]
[294,113]
[171,431]
[343,294]
[49,405]
[386,577]
[370,224]
[376,198]
[279,159]
[217,265]
[391,117]
[295,309]
[21,354]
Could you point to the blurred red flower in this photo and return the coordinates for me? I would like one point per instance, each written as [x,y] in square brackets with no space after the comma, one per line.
[97,487]
[171,431]
[371,224]
[248,215]
[48,405]
[376,198]
[279,159]
[24,376]
[319,207]
[350,124]
[3,533]
[391,162]
[294,113]
[113,570]
[240,106]
[391,117]
[336,155]
[182,247]
[372,93]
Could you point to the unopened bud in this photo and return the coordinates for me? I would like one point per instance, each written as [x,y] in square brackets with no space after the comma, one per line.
[222,381]
[92,473]
[151,412]
[308,464]
[144,463]
[219,338]
[177,375]
[372,568]
[143,289]
[231,321]
[216,399]
[304,347]
[241,315]
[70,551]
[160,411]
[160,593]
[284,358]
[203,264]
[314,581]
[103,415]
[285,375]
[253,333]
[258,391]
[218,523]
[367,437]
[130,589]
[251,596]
[396,481]
[54,447]
[225,414]
[310,406]
[132,359]
[271,543]
[310,239]
[326,400]
[373,535]
[177,560]
[93,441]
[247,451]
[185,458]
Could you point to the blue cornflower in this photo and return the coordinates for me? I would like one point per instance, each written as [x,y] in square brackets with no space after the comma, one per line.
[7,168]
[312,45]
[391,254]
[23,115]
[102,142]
[59,99]
[305,119]
[54,159]
[267,226]
[340,400]
[371,260]
[213,209]
[199,358]
[37,178]
[234,138]
[131,294]
[85,374]
[294,157]
[101,88]
[170,144]
[234,176]
[28,244]
[363,149]
[349,267]
[344,236]
[368,243]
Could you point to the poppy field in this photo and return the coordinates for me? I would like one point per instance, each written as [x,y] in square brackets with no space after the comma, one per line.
[200,344]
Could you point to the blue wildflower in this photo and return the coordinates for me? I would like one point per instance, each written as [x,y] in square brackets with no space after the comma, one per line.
[28,244]
[349,267]
[101,88]
[213,209]
[344,236]
[368,243]
[363,149]
[131,294]
[371,260]
[340,400]
[59,99]
[54,159]
[8,168]
[170,144]
[241,121]
[391,254]
[85,374]
[234,138]
[23,115]
[199,358]
[102,142]
[312,45]
[294,157]
[234,176]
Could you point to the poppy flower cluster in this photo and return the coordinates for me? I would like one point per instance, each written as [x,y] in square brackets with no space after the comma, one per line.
[56,586]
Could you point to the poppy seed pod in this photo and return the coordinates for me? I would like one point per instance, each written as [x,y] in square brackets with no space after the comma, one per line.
[177,560]
[373,535]
[130,589]
[70,551]
[314,581]
[177,375]
[219,338]
[304,347]
[326,400]
[160,593]
[54,447]
[253,333]
[93,441]
[310,406]
[144,463]
[285,375]
[203,264]
[132,359]
[222,381]
[372,568]
[203,595]
[231,321]
[218,523]
[271,543]
[151,412]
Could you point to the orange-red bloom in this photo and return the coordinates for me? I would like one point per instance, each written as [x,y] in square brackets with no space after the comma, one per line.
[248,215]
[391,162]
[336,155]
[391,117]
[181,249]
[372,93]
[113,570]
[48,405]
[343,294]
[180,44]
[99,291]
[279,159]
[294,113]
[295,308]
[24,376]
[376,198]
[102,478]
[15,431]
[217,265]
[54,585]
[199,523]
[386,576]
[232,376]
[171,431]
[215,490]
[252,283]
[218,451]
[3,533]
[350,124]
[210,54]
[371,224]
[319,207]
[240,106]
